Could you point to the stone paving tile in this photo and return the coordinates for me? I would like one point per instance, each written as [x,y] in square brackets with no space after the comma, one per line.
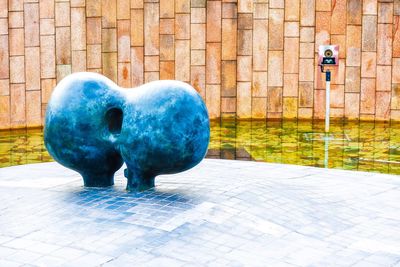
[221,213]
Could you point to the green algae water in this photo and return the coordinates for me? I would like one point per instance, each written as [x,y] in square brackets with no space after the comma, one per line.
[363,146]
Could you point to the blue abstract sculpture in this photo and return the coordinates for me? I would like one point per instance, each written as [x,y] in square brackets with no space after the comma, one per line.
[92,126]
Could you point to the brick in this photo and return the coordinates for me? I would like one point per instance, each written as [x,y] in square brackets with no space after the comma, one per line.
[306,70]
[93,30]
[198,57]
[228,83]
[109,61]
[228,104]
[137,27]
[124,74]
[33,109]
[198,79]
[198,36]
[245,21]
[167,70]
[245,6]
[245,42]
[15,20]
[290,107]
[167,26]
[396,70]
[395,103]
[276,4]
[4,8]
[292,29]
[353,50]
[229,39]
[137,66]
[337,113]
[213,100]
[16,5]
[323,5]
[383,78]
[16,42]
[62,12]
[339,73]
[382,111]
[337,96]
[291,55]
[63,45]
[47,88]
[319,104]
[260,11]
[384,49]
[63,71]
[78,29]
[109,40]
[244,68]
[307,13]
[93,8]
[167,51]
[370,7]
[151,28]
[4,87]
[290,84]
[276,29]
[396,37]
[274,99]
[341,41]
[306,94]
[275,68]
[182,6]
[367,101]
[167,8]
[354,8]
[260,45]
[244,100]
[198,15]
[214,18]
[369,30]
[17,69]
[32,72]
[396,8]
[213,63]
[47,27]
[4,112]
[395,115]
[322,28]
[229,11]
[78,3]
[385,12]
[182,26]
[352,105]
[292,10]
[306,50]
[17,107]
[182,60]
[124,41]
[368,65]
[353,79]
[4,56]
[259,108]
[151,63]
[109,13]
[139,3]
[47,57]
[305,113]
[338,22]
[78,61]
[94,56]
[307,34]
[260,84]
[123,9]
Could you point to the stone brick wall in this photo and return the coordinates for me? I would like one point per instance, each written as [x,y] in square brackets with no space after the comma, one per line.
[246,58]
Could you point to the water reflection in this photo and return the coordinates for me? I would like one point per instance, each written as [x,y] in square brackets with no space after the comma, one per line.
[361,146]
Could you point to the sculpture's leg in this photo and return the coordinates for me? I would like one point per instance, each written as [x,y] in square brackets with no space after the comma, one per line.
[98,180]
[138,183]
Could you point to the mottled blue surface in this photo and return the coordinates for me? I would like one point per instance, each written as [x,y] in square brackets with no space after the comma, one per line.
[93,126]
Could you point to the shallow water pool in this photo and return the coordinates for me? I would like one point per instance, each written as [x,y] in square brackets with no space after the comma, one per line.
[364,146]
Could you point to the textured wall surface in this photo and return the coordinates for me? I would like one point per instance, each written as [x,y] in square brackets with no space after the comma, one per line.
[246,58]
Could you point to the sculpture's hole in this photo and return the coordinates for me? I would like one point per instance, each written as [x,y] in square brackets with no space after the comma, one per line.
[114,120]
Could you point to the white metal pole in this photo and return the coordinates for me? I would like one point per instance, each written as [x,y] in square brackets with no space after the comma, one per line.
[327,102]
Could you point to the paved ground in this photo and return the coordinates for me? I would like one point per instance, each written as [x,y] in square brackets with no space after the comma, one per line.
[221,213]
